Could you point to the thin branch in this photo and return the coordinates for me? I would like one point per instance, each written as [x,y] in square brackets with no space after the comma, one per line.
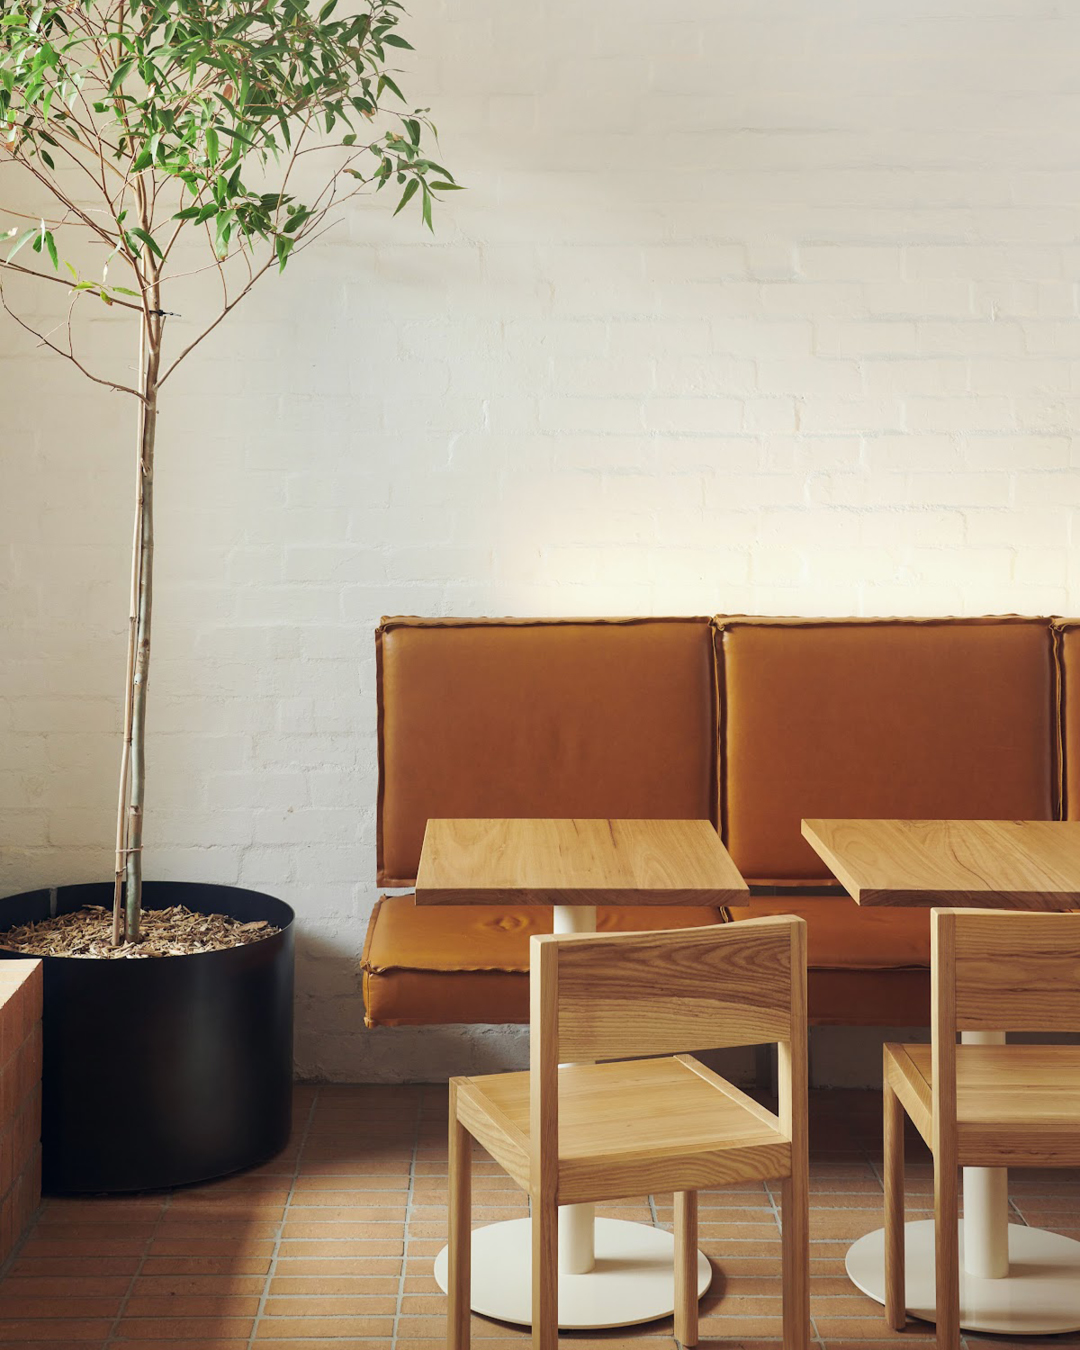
[98,183]
[44,276]
[219,264]
[68,356]
[50,185]
[22,215]
[228,308]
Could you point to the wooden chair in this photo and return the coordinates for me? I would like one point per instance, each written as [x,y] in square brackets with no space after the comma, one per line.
[589,1131]
[983,1105]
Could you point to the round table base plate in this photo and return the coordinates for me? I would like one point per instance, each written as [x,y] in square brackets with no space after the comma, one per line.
[1040,1296]
[633,1279]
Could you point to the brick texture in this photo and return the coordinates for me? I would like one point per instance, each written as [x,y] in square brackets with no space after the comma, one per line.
[747,307]
[20,1099]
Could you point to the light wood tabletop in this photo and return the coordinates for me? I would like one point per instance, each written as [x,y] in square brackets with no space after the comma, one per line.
[994,864]
[576,862]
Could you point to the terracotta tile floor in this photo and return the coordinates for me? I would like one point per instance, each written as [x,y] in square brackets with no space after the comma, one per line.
[330,1246]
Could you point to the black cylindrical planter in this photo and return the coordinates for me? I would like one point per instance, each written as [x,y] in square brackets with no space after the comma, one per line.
[163,1070]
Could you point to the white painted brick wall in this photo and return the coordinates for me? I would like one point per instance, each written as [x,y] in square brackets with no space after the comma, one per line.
[748,306]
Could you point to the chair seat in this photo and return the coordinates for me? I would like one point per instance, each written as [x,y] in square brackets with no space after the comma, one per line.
[698,1130]
[1017,1105]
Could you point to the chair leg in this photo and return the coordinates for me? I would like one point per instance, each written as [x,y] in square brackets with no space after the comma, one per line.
[545,1274]
[459,1277]
[686,1285]
[795,1218]
[895,1280]
[946,1255]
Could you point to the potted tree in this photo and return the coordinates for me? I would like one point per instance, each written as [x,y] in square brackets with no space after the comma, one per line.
[156,138]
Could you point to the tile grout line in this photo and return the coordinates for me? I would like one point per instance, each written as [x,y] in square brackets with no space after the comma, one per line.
[110,1339]
[408,1216]
[272,1271]
[7,1268]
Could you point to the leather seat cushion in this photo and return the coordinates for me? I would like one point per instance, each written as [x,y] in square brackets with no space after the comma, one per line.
[434,964]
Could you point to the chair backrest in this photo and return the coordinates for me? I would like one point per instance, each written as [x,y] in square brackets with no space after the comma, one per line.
[631,995]
[621,995]
[995,970]
[999,970]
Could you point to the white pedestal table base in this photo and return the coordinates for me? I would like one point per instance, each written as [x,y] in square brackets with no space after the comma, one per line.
[1040,1296]
[632,1280]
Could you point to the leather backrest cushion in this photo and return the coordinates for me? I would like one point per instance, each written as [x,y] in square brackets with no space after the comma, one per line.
[1068,633]
[947,718]
[534,718]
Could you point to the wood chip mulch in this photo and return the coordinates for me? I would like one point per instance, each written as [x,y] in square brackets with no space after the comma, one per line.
[177,931]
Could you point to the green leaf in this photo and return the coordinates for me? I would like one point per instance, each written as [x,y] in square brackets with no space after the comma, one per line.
[408,194]
[392,40]
[283,247]
[147,239]
[446,187]
[120,74]
[385,82]
[426,210]
[237,135]
[50,245]
[23,238]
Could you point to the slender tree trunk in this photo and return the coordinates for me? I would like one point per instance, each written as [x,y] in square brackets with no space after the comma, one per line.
[129,683]
[127,891]
[133,886]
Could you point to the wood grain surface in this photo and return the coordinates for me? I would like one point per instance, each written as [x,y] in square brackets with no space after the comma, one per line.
[1016,972]
[1001,864]
[693,1133]
[1018,1105]
[626,994]
[576,862]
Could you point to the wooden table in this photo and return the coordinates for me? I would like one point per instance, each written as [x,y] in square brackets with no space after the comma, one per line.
[1014,1279]
[611,1273]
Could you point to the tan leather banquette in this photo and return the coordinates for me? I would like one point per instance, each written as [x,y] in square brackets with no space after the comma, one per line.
[750,722]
